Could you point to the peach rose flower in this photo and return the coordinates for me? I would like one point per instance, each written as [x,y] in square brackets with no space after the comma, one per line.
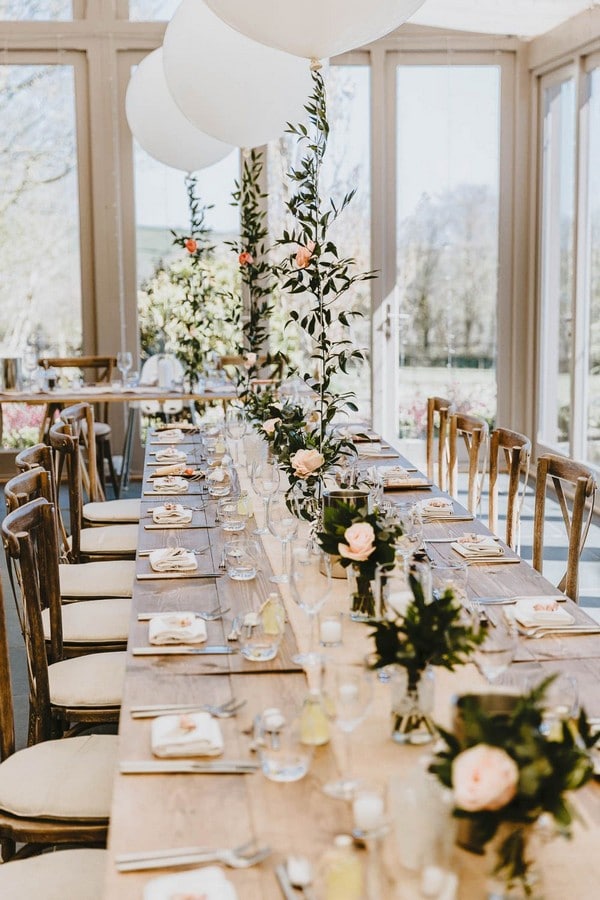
[268,426]
[484,777]
[245,258]
[360,542]
[304,255]
[305,462]
[250,360]
[190,245]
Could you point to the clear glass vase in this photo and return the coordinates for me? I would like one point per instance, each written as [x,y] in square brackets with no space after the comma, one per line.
[412,706]
[362,606]
[515,872]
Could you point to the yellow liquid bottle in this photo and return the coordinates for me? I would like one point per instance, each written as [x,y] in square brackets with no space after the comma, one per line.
[342,871]
[315,729]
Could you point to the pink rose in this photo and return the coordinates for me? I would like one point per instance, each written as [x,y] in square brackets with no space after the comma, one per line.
[484,777]
[268,426]
[360,542]
[305,462]
[190,245]
[245,258]
[304,255]
[250,360]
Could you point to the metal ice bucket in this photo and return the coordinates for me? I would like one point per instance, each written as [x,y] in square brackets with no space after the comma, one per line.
[11,376]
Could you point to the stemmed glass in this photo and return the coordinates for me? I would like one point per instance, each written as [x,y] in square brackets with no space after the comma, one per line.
[264,478]
[235,426]
[349,691]
[310,586]
[283,525]
[124,364]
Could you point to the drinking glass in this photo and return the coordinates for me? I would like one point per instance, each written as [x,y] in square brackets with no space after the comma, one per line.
[264,478]
[408,516]
[283,755]
[235,427]
[124,364]
[310,586]
[453,577]
[283,525]
[241,559]
[495,654]
[349,691]
[561,703]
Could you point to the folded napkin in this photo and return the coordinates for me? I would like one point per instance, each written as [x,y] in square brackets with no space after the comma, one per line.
[219,475]
[170,484]
[172,469]
[477,545]
[208,883]
[437,506]
[182,426]
[370,449]
[177,628]
[170,455]
[171,514]
[172,436]
[192,734]
[173,559]
[541,611]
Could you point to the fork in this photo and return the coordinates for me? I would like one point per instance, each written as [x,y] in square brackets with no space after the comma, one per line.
[540,631]
[241,857]
[198,551]
[221,711]
[211,615]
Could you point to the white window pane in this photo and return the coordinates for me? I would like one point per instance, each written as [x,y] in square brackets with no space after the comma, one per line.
[152,10]
[36,9]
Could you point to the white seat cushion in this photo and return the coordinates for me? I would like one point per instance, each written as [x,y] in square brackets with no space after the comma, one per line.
[53,876]
[112,578]
[112,511]
[88,681]
[67,779]
[109,539]
[93,621]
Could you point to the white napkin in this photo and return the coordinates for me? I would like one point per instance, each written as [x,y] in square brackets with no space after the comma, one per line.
[177,628]
[173,559]
[437,506]
[170,454]
[170,484]
[172,436]
[541,611]
[171,514]
[371,449]
[219,475]
[477,545]
[192,734]
[173,469]
[182,426]
[208,883]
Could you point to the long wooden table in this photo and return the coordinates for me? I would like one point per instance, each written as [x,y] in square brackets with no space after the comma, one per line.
[169,811]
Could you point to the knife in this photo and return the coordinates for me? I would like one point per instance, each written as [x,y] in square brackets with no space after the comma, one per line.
[161,576]
[183,650]
[188,767]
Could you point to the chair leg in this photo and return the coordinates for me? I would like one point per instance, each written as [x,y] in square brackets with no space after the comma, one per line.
[111,468]
[104,452]
[100,464]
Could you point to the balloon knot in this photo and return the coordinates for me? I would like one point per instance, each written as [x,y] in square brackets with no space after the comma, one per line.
[315,65]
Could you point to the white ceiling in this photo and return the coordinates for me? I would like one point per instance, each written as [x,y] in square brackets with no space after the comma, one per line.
[525,18]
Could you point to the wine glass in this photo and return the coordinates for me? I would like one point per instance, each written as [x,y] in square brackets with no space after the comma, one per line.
[349,692]
[283,525]
[235,427]
[310,586]
[495,654]
[264,478]
[124,364]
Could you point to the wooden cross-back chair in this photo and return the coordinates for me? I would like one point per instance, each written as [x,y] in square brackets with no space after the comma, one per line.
[78,580]
[88,626]
[107,541]
[438,414]
[475,433]
[62,692]
[516,450]
[565,474]
[57,792]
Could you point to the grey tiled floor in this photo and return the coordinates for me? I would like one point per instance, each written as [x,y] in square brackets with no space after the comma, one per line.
[555,555]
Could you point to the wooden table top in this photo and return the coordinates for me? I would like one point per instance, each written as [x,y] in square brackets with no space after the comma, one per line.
[169,811]
[107,394]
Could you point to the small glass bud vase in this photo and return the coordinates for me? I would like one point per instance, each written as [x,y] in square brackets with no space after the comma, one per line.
[412,706]
[362,605]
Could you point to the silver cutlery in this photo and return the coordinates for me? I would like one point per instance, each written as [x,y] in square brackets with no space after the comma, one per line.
[236,858]
[220,711]
[188,767]
[160,576]
[284,883]
[184,650]
[197,551]
[211,615]
[236,628]
[540,631]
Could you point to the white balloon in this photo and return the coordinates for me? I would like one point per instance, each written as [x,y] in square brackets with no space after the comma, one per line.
[160,126]
[314,28]
[228,85]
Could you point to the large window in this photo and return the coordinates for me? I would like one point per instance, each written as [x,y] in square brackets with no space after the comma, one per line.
[557,272]
[592,285]
[443,316]
[40,288]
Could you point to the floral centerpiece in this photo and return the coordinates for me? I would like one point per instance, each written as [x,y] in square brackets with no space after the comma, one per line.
[361,540]
[427,633]
[507,775]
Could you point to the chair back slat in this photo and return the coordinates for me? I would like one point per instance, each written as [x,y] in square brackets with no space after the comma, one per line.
[66,446]
[32,459]
[564,473]
[475,433]
[438,413]
[516,449]
[81,418]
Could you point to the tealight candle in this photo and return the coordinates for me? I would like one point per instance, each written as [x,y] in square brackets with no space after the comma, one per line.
[399,601]
[368,809]
[330,631]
